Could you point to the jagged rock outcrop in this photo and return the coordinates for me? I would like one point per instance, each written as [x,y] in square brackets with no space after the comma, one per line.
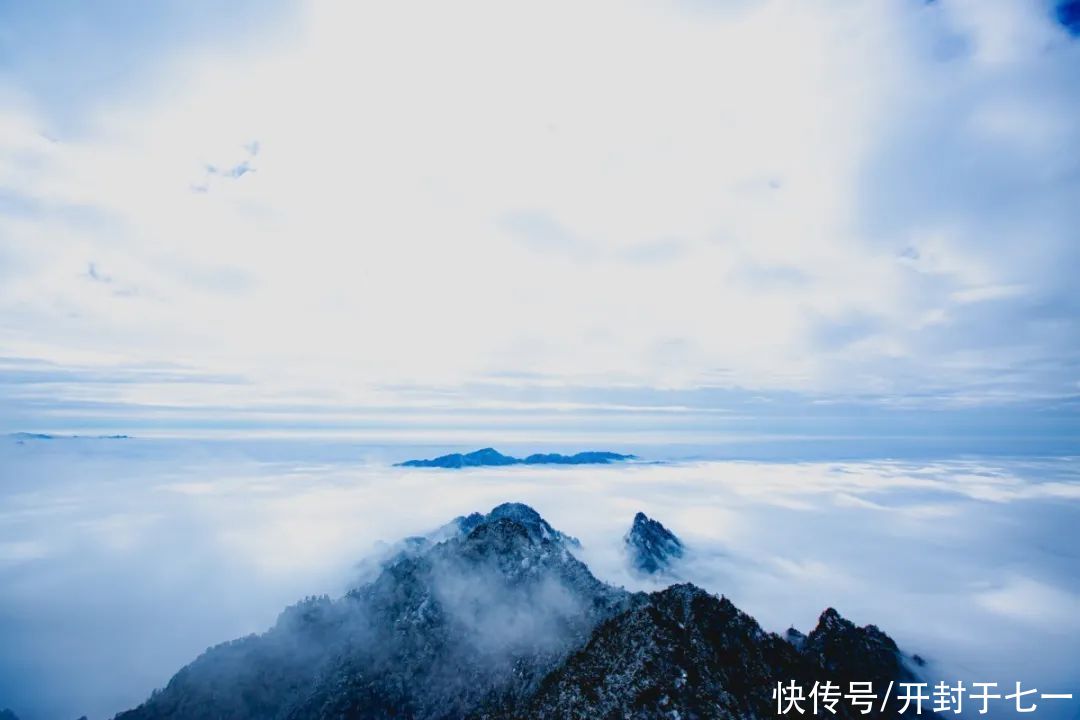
[492,616]
[651,546]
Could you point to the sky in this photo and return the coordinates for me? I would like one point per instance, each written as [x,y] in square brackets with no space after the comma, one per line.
[696,216]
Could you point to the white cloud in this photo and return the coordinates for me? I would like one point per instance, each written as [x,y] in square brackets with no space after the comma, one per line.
[759,150]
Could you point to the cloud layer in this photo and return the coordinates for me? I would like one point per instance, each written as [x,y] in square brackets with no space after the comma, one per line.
[122,560]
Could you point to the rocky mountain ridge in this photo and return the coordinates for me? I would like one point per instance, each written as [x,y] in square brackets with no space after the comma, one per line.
[493,616]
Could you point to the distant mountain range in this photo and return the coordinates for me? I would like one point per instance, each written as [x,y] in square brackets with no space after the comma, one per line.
[492,457]
[492,617]
[20,436]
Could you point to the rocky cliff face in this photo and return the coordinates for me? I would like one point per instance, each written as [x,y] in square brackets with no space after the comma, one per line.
[493,617]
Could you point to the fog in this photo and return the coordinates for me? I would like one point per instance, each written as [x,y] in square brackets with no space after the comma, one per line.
[121,560]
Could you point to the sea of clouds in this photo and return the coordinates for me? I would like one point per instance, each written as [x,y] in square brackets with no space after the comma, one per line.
[122,559]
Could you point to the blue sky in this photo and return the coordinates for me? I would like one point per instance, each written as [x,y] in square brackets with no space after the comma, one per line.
[719,218]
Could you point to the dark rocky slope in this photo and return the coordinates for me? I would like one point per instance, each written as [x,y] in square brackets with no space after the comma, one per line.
[687,654]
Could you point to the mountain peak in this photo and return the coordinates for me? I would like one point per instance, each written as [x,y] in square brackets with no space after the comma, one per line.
[487,454]
[498,620]
[536,526]
[831,619]
[851,652]
[517,511]
[652,547]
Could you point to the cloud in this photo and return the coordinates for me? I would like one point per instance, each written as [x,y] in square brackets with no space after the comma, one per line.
[1031,601]
[830,200]
[231,172]
[969,563]
[543,234]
